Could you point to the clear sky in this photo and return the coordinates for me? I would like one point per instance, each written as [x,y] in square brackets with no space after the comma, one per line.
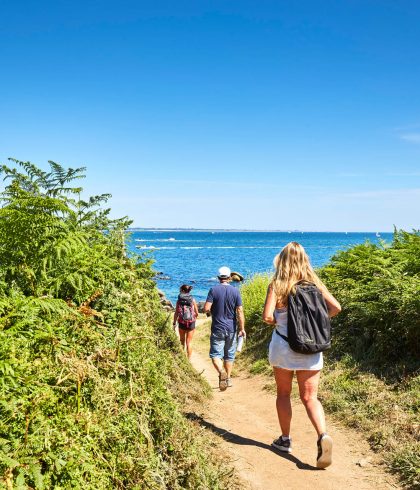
[222,114]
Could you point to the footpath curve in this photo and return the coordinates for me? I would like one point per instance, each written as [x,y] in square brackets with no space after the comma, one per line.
[245,419]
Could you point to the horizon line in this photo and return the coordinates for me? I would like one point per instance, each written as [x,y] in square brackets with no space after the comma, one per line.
[249,230]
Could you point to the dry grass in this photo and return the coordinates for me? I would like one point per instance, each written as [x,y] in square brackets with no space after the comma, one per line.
[388,414]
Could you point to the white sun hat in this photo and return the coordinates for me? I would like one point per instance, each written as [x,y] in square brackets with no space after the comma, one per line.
[224,272]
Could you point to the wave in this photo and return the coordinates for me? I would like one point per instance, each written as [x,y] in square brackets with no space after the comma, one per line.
[313,248]
[274,247]
[160,240]
[151,247]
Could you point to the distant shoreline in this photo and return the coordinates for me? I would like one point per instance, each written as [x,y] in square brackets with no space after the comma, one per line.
[237,230]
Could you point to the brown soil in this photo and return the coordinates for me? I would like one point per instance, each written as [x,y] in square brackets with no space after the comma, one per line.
[245,418]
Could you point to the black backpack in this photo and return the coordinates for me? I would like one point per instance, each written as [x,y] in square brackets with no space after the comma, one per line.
[308,322]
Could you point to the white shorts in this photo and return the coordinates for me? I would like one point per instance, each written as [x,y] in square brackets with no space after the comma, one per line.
[282,356]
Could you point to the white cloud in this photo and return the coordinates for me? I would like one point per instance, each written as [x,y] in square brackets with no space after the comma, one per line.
[411,137]
[377,174]
[382,193]
[403,174]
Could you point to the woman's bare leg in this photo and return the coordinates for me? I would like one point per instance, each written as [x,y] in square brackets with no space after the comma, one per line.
[189,338]
[283,379]
[308,382]
[182,338]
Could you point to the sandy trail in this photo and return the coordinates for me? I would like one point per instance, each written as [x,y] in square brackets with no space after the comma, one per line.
[244,417]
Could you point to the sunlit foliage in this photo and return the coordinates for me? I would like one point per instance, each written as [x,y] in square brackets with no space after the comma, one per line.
[86,356]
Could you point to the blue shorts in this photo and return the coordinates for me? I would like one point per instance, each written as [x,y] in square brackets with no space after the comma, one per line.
[223,345]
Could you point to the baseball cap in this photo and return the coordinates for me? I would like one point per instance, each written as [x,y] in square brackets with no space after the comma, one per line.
[224,272]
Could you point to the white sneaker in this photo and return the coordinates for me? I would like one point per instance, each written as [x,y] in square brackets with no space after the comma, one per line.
[325,445]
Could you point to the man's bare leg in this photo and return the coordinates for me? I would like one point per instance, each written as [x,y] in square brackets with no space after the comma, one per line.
[218,364]
[228,367]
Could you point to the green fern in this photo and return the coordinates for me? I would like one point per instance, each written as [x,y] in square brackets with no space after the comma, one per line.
[80,407]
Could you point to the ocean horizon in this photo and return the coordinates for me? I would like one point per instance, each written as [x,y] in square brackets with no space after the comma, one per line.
[251,230]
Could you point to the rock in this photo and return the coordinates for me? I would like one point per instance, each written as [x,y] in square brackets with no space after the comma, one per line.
[161,276]
[200,305]
[165,302]
[364,462]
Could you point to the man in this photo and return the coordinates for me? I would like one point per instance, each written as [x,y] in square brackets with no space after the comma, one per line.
[224,303]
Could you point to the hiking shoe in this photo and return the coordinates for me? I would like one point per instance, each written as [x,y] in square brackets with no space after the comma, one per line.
[229,382]
[223,381]
[325,444]
[284,445]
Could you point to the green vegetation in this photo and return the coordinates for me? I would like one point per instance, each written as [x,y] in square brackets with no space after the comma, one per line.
[379,287]
[371,380]
[92,378]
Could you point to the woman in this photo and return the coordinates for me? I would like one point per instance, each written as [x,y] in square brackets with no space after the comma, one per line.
[186,312]
[292,265]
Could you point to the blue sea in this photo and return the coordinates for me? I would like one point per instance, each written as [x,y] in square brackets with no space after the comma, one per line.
[193,257]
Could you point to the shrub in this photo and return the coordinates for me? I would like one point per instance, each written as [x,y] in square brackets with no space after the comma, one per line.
[379,289]
[253,294]
[86,354]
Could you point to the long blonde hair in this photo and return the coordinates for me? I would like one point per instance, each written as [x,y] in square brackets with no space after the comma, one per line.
[292,265]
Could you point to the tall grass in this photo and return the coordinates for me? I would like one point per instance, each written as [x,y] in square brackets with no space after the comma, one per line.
[371,378]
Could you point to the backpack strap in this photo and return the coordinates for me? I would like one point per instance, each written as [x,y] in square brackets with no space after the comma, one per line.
[303,282]
[281,335]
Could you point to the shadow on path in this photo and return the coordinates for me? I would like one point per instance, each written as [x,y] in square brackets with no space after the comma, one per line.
[245,441]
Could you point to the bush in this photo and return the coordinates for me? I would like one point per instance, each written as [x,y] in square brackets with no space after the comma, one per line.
[253,294]
[87,357]
[379,289]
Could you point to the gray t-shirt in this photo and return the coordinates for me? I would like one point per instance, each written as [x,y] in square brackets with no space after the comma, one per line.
[225,299]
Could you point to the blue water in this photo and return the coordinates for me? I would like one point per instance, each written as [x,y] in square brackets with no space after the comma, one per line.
[193,257]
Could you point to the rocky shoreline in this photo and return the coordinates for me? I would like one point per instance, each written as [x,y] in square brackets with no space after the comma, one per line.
[165,302]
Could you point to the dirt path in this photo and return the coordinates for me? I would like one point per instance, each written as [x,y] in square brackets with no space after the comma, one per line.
[244,416]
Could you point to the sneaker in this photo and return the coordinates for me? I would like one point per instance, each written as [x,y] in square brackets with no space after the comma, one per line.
[229,382]
[325,444]
[223,381]
[284,445]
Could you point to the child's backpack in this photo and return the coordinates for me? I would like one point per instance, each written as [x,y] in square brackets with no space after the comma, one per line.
[185,309]
[308,322]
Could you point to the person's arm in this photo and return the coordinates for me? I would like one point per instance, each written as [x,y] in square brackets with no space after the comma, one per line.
[175,315]
[241,321]
[207,308]
[334,307]
[208,303]
[195,308]
[269,307]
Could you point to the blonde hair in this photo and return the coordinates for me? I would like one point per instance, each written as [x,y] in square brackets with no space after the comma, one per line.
[292,266]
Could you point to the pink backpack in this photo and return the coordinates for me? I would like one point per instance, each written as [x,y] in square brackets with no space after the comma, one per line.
[185,309]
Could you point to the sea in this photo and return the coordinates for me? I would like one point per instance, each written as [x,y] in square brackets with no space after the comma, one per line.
[194,256]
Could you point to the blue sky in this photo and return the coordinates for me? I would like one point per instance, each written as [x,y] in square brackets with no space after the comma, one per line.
[222,114]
